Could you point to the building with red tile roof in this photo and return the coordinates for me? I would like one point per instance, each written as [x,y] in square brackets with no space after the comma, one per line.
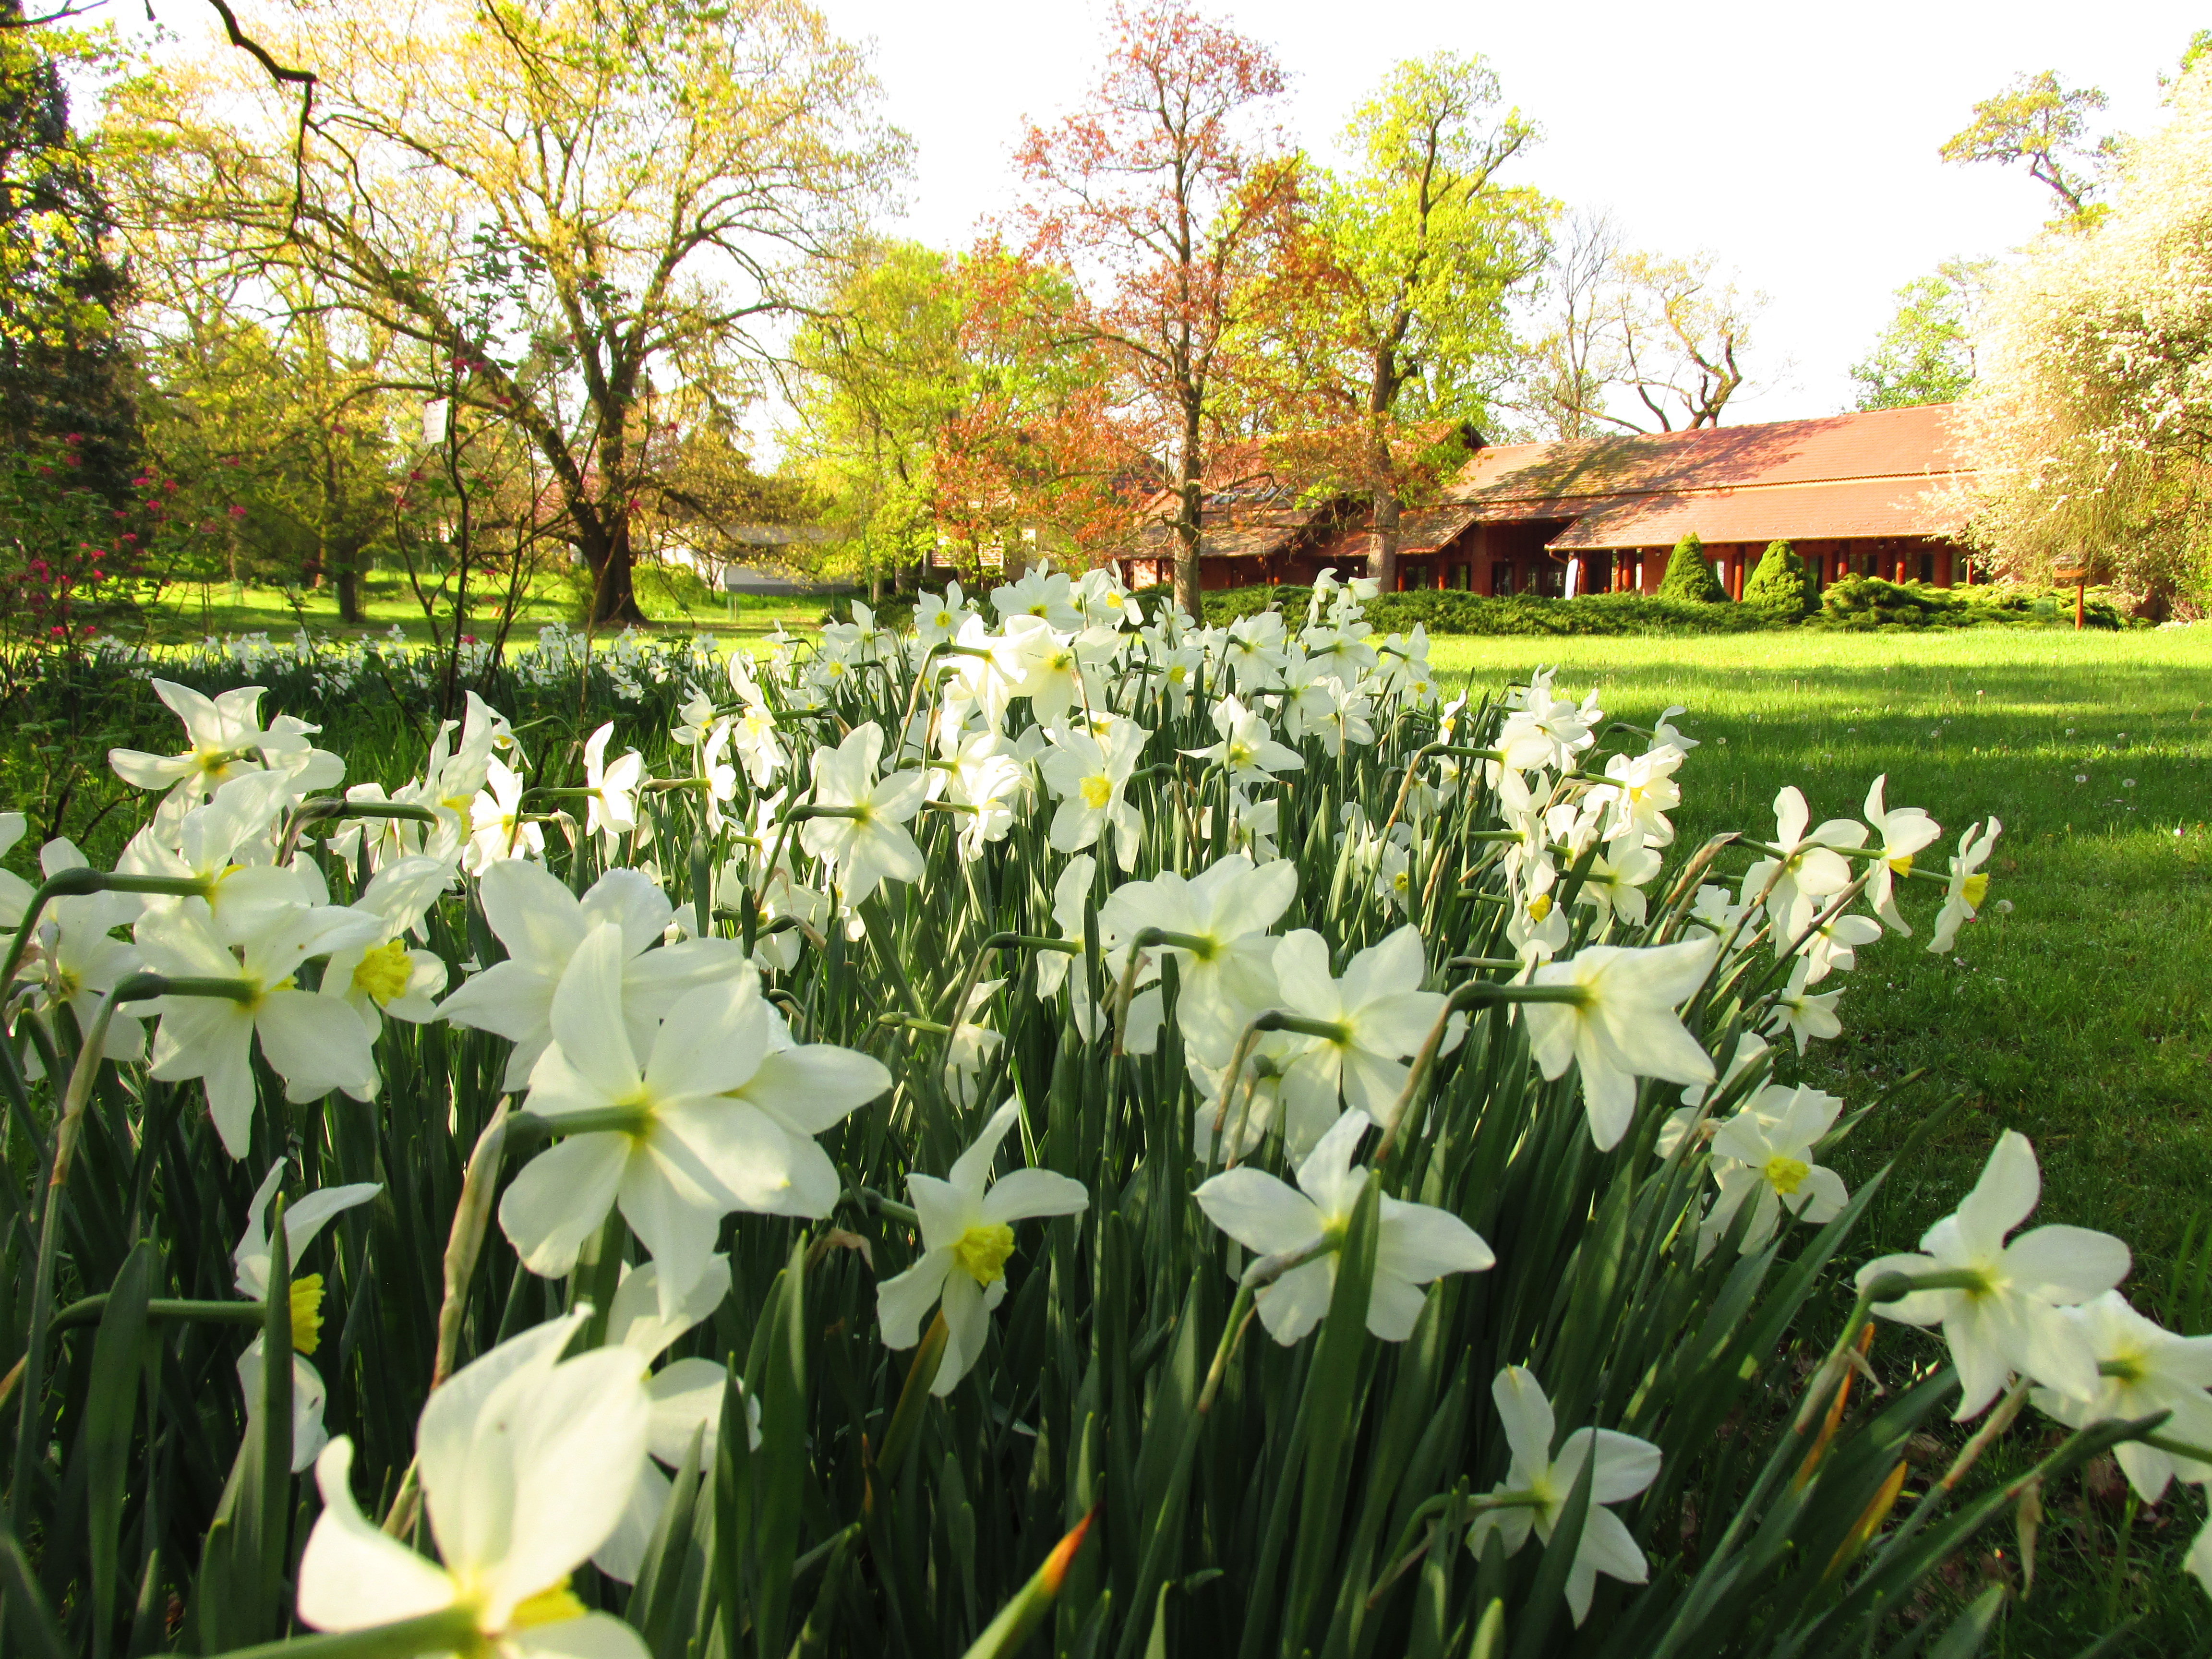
[1883,493]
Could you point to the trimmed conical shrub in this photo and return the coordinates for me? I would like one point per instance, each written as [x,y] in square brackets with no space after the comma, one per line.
[1776,588]
[1689,577]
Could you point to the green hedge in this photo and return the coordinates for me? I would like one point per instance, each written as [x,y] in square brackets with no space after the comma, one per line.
[1860,604]
[1451,611]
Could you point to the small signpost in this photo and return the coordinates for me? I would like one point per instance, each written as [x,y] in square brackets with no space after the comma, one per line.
[2074,569]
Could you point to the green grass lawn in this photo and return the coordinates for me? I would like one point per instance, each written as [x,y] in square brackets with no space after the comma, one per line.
[2081,1017]
[188,614]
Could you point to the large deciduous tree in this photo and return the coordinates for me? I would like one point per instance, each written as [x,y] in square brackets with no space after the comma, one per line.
[1390,308]
[1161,194]
[1926,354]
[2092,423]
[2037,121]
[571,206]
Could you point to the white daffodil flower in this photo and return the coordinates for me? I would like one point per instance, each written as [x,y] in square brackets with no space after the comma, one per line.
[1805,1015]
[1247,751]
[224,737]
[966,1235]
[527,1462]
[1832,947]
[77,957]
[1664,731]
[1545,732]
[497,831]
[303,1221]
[719,1119]
[1175,675]
[871,845]
[542,923]
[1254,652]
[1763,1156]
[972,1045]
[2142,1368]
[612,807]
[1227,975]
[15,893]
[1969,885]
[1346,719]
[1414,1243]
[383,976]
[1641,793]
[686,1396]
[1620,1465]
[2007,1319]
[314,1042]
[1381,1014]
[1613,886]
[1808,865]
[1087,774]
[939,617]
[1903,831]
[227,846]
[1623,1026]
[1043,593]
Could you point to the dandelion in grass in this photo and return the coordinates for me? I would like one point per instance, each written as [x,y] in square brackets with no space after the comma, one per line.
[967,1225]
[2005,1317]
[1538,1488]
[528,1462]
[1415,1244]
[303,1221]
[1620,1026]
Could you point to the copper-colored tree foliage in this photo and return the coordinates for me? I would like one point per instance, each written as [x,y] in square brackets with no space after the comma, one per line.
[1158,196]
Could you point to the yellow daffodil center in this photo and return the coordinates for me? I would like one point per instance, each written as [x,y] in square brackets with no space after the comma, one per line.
[982,1250]
[1096,791]
[2127,1367]
[1540,907]
[383,972]
[307,1312]
[555,1605]
[1904,865]
[1178,674]
[1402,881]
[1972,888]
[1786,1174]
[1241,754]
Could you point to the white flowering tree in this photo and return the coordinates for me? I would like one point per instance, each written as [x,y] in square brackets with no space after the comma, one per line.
[2092,423]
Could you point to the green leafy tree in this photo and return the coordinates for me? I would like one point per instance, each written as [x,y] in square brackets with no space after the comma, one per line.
[1689,577]
[63,370]
[2038,122]
[1926,355]
[1390,307]
[1780,588]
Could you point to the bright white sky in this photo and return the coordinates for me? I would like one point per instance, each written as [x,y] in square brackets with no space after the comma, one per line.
[1797,143]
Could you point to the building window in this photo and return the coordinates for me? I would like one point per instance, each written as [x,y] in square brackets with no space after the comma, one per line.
[1501,576]
[1928,568]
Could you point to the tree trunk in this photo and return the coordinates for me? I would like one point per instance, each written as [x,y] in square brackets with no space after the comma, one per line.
[1190,518]
[346,568]
[1382,543]
[614,597]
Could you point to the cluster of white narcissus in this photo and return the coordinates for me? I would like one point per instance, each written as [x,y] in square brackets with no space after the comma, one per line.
[685,1097]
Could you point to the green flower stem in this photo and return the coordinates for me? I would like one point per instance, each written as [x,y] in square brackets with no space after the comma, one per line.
[1147,936]
[336,806]
[1475,993]
[30,1417]
[77,883]
[608,1119]
[89,1310]
[450,1630]
[914,1396]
